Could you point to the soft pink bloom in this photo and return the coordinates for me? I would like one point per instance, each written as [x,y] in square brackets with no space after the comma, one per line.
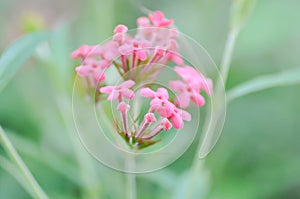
[109,51]
[186,93]
[143,22]
[158,19]
[150,118]
[137,47]
[84,51]
[178,116]
[166,124]
[118,92]
[93,67]
[196,80]
[123,107]
[160,102]
[175,58]
[120,29]
[84,70]
[126,49]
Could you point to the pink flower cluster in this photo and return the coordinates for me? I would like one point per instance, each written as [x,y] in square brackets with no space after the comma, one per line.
[153,44]
[138,58]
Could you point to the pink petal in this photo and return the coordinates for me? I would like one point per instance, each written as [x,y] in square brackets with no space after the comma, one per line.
[123,107]
[104,64]
[83,70]
[178,86]
[127,84]
[107,89]
[147,92]
[198,99]
[120,29]
[186,115]
[183,100]
[126,49]
[177,121]
[127,93]
[177,59]
[141,54]
[99,74]
[166,124]
[163,93]
[113,95]
[150,118]
[142,21]
[80,52]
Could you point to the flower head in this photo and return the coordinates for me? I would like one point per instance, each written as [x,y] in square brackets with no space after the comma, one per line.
[187,93]
[195,79]
[158,19]
[118,92]
[159,102]
[178,116]
[138,59]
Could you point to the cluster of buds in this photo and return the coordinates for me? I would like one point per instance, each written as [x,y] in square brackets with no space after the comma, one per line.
[138,59]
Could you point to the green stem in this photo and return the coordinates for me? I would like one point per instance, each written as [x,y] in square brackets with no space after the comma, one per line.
[210,137]
[16,159]
[227,56]
[131,178]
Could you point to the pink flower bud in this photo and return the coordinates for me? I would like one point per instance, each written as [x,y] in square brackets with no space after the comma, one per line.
[120,29]
[150,118]
[123,107]
[166,124]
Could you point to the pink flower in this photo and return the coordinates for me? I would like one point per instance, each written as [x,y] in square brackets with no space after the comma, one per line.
[143,22]
[160,102]
[93,67]
[150,118]
[137,47]
[84,51]
[166,124]
[109,51]
[120,29]
[123,107]
[118,92]
[178,116]
[158,19]
[196,80]
[187,93]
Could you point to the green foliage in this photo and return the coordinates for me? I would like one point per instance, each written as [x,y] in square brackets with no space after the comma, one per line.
[13,58]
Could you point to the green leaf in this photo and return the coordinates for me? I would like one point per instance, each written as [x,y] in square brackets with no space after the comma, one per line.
[10,168]
[17,54]
[289,77]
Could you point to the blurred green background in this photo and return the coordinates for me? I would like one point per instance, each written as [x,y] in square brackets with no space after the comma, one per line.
[257,156]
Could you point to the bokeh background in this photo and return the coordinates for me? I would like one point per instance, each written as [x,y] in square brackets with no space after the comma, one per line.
[258,153]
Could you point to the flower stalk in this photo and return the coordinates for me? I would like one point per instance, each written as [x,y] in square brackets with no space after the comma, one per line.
[17,160]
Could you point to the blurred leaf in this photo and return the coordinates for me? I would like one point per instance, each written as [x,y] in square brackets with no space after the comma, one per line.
[260,83]
[196,190]
[53,161]
[13,170]
[60,50]
[12,59]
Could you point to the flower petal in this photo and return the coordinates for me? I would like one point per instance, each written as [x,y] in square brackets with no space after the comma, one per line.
[198,99]
[147,92]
